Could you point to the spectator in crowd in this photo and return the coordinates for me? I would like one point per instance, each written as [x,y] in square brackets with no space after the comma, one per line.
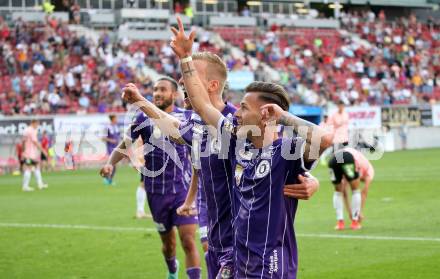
[54,101]
[38,68]
[394,62]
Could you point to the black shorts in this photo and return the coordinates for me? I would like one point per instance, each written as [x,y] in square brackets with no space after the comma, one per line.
[30,162]
[346,167]
[43,157]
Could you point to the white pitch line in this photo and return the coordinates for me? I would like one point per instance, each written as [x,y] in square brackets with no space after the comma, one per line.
[368,237]
[76,227]
[134,229]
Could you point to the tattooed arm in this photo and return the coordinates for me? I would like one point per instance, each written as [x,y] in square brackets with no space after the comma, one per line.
[316,138]
[167,123]
[197,93]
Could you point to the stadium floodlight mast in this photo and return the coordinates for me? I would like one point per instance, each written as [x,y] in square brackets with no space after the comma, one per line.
[210,2]
[336,6]
[254,3]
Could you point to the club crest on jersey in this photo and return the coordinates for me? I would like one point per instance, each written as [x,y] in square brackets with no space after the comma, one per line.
[262,169]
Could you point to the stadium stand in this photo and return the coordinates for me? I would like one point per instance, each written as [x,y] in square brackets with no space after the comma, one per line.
[48,68]
[368,61]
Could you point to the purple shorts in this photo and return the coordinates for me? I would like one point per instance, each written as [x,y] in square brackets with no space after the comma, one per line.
[220,265]
[164,211]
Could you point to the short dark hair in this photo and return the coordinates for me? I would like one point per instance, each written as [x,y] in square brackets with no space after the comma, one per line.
[170,80]
[270,93]
[112,116]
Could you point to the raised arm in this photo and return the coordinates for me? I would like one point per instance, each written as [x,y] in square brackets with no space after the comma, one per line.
[197,93]
[317,139]
[168,124]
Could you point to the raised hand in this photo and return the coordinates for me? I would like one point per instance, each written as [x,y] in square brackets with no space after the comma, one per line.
[106,170]
[181,43]
[131,94]
[272,112]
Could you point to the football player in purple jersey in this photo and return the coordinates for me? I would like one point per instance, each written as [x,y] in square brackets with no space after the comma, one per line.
[112,138]
[166,178]
[217,174]
[265,244]
[219,262]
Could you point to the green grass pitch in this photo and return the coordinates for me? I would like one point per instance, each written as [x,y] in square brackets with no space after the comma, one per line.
[400,238]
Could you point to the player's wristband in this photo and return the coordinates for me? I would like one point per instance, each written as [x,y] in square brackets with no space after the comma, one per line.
[186,59]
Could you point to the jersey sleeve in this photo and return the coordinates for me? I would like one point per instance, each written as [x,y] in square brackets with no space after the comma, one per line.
[293,152]
[140,127]
[226,137]
[186,131]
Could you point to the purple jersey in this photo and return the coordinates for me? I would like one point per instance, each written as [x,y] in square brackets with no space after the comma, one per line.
[114,134]
[265,244]
[217,179]
[167,165]
[202,212]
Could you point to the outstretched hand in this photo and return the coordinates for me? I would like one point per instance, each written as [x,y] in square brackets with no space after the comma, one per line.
[131,94]
[181,43]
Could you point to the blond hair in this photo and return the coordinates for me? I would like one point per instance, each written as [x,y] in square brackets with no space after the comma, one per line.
[216,68]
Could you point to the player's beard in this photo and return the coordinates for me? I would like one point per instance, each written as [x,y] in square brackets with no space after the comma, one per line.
[162,103]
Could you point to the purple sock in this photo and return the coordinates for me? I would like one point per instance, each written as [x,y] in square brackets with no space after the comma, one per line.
[193,272]
[172,265]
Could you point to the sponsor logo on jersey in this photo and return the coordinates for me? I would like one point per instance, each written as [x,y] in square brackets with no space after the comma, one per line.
[238,173]
[273,264]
